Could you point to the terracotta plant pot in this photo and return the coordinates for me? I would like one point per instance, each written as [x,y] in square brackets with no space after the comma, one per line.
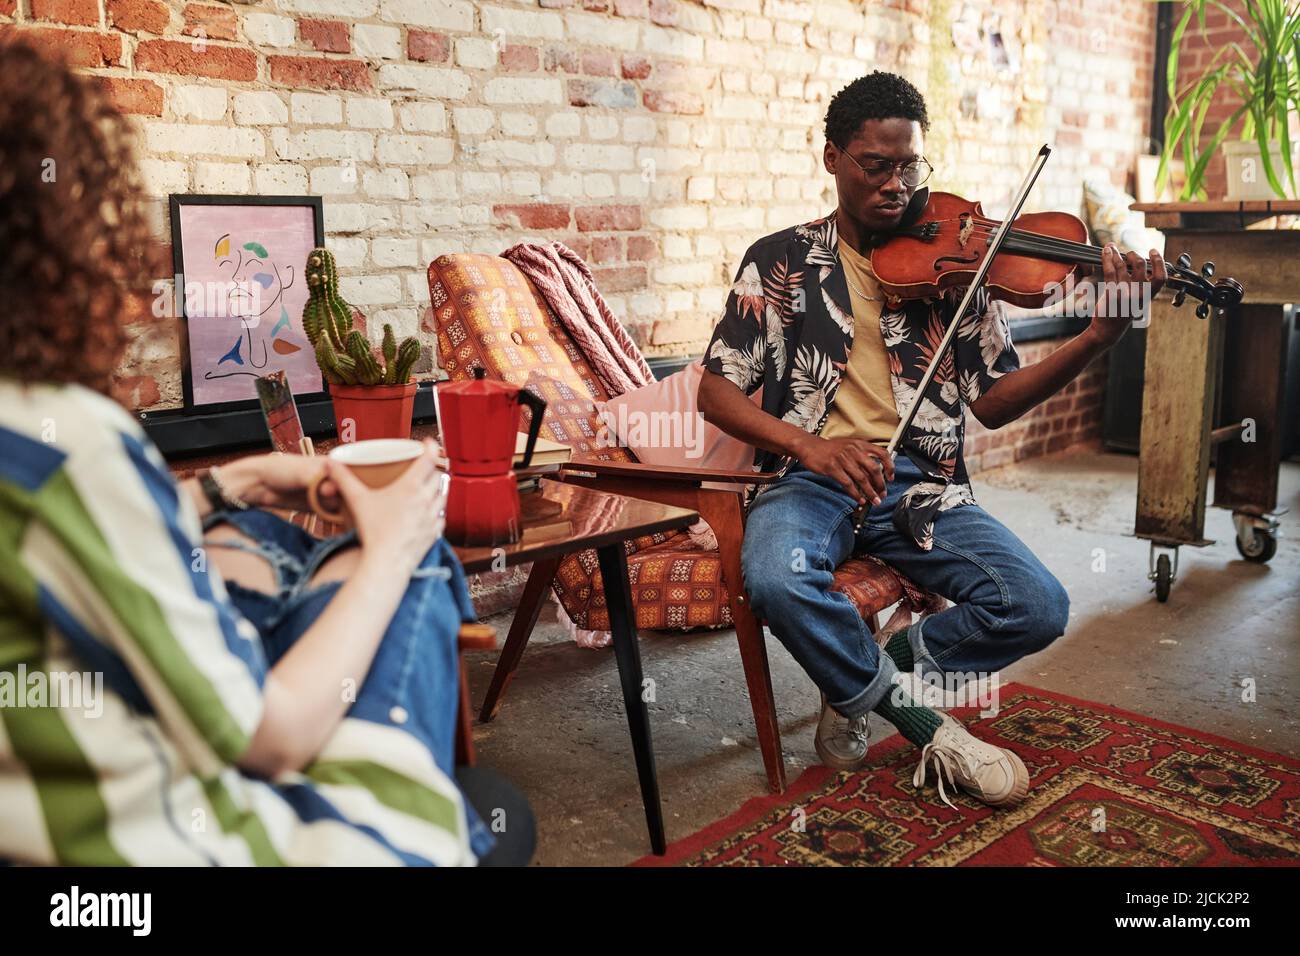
[362,412]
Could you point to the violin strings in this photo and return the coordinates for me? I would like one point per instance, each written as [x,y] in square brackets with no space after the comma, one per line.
[1034,242]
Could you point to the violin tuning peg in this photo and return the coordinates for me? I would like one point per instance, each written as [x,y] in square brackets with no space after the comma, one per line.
[1179,297]
[1202,310]
[1207,270]
[1184,261]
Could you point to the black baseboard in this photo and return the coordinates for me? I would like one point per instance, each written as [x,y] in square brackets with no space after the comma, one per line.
[181,435]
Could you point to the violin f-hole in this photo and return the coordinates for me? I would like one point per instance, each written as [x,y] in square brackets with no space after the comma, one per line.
[964,260]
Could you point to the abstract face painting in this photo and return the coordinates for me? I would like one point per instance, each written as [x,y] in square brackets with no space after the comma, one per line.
[243,296]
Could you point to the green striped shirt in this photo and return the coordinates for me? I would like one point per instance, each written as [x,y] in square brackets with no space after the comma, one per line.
[130,685]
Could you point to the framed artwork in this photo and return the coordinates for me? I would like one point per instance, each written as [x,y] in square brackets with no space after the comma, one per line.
[238,262]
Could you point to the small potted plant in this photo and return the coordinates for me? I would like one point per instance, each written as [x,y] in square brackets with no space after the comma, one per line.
[373,395]
[1262,72]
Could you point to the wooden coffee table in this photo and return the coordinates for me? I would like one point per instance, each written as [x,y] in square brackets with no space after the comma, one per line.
[559,519]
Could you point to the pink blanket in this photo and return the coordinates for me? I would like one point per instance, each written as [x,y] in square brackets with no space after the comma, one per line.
[566,283]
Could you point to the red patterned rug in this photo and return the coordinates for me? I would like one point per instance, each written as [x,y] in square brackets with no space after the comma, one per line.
[1107,788]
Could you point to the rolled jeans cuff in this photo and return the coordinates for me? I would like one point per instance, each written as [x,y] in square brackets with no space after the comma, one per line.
[880,685]
[922,661]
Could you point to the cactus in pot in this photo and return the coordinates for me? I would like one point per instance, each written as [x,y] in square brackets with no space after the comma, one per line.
[373,393]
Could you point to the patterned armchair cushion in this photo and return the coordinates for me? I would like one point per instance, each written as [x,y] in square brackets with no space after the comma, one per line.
[487,313]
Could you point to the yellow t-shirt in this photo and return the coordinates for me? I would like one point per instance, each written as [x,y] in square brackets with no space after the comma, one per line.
[864,404]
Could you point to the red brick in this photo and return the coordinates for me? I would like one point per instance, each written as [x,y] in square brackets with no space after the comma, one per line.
[137,391]
[325,36]
[620,278]
[427,46]
[631,8]
[608,218]
[606,249]
[581,245]
[561,59]
[534,215]
[180,56]
[635,66]
[133,16]
[216,23]
[318,72]
[641,249]
[670,331]
[7,7]
[595,6]
[518,58]
[132,96]
[78,48]
[599,63]
[690,104]
[82,13]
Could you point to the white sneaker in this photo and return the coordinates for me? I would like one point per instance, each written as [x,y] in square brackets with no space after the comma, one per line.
[990,774]
[841,742]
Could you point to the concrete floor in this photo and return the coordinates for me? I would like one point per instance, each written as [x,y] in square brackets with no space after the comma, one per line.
[562,736]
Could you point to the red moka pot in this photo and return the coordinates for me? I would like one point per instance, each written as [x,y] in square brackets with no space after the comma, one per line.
[478,419]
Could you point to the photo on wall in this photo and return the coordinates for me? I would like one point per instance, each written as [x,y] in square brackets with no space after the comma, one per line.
[240,287]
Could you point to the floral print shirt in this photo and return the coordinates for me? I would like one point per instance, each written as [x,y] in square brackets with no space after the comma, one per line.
[788,327]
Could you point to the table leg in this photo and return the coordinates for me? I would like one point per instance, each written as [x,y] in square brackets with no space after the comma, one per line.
[622,622]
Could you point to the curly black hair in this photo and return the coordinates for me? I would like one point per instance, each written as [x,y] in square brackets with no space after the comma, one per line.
[879,95]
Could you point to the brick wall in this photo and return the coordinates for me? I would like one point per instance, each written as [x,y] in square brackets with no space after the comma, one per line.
[656,137]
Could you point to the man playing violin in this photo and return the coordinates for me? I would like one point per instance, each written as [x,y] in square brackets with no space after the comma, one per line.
[839,362]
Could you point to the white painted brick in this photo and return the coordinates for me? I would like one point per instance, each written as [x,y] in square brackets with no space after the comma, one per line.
[679,300]
[602,127]
[676,246]
[260,108]
[371,290]
[639,129]
[162,178]
[386,184]
[323,144]
[389,252]
[431,81]
[519,124]
[280,179]
[474,183]
[437,184]
[414,149]
[355,9]
[449,245]
[564,124]
[426,217]
[221,177]
[522,23]
[597,186]
[198,102]
[684,273]
[522,182]
[266,29]
[349,252]
[645,304]
[404,321]
[316,108]
[563,186]
[476,215]
[589,156]
[659,41]
[417,288]
[423,117]
[700,188]
[595,30]
[191,140]
[522,90]
[513,152]
[633,186]
[448,14]
[368,112]
[475,53]
[472,120]
[373,42]
[334,180]
[679,217]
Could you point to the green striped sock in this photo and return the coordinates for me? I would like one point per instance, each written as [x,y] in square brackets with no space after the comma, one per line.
[914,721]
[901,651]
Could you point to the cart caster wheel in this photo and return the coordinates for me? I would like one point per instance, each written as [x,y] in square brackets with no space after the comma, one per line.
[1164,577]
[1262,547]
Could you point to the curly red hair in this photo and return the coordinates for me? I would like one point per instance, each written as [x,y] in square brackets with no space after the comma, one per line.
[74,237]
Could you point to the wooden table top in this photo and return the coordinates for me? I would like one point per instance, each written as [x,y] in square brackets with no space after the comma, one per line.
[1217,214]
[560,519]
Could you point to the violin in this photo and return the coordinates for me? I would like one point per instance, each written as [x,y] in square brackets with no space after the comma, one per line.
[941,241]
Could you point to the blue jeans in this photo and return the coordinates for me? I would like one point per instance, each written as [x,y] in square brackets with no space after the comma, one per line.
[415,674]
[1006,603]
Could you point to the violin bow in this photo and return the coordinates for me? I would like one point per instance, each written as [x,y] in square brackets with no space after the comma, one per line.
[995,244]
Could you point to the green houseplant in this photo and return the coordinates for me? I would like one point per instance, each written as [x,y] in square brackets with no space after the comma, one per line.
[1263,71]
[373,395]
